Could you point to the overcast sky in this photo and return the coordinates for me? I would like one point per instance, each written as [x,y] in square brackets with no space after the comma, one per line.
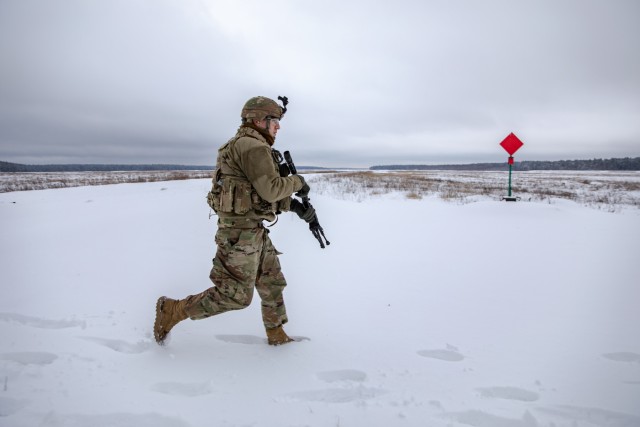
[369,82]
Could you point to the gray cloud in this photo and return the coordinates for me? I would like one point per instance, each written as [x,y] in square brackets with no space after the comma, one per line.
[369,82]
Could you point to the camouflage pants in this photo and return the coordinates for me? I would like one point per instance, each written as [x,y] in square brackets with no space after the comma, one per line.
[245,259]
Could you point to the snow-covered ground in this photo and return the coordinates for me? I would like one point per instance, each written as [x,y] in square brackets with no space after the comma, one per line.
[24,181]
[612,191]
[420,313]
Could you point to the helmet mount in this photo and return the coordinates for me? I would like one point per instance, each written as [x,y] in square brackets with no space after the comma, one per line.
[261,107]
[285,101]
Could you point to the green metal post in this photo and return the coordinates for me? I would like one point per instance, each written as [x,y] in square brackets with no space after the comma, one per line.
[509,180]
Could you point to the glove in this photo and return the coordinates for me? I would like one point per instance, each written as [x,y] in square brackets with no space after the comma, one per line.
[304,191]
[308,214]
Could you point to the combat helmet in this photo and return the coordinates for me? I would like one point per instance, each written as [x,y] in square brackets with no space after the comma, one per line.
[260,107]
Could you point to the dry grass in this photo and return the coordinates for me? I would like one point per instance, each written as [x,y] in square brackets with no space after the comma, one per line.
[46,180]
[609,191]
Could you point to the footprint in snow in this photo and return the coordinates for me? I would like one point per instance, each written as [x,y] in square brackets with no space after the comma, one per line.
[54,419]
[121,346]
[477,418]
[623,356]
[337,395]
[342,375]
[578,415]
[9,406]
[299,338]
[509,393]
[353,390]
[30,357]
[242,339]
[449,354]
[250,339]
[37,322]
[183,389]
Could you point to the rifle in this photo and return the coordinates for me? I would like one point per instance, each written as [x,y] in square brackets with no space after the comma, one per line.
[314,225]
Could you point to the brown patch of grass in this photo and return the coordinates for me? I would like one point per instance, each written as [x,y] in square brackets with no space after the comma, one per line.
[16,181]
[603,190]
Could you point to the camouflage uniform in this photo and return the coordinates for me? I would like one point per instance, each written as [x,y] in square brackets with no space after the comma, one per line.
[247,189]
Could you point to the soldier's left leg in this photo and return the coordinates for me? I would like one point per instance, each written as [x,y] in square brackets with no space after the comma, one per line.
[270,283]
[233,274]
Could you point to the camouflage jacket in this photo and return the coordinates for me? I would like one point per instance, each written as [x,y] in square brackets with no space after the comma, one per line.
[246,182]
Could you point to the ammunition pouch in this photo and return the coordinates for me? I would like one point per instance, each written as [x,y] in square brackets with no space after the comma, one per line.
[236,195]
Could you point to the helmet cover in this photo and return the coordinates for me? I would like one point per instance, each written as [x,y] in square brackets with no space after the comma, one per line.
[259,107]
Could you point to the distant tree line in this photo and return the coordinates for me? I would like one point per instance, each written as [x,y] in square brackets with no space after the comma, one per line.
[16,167]
[622,164]
[627,163]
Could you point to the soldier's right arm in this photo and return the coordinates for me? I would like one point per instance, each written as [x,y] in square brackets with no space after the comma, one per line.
[258,166]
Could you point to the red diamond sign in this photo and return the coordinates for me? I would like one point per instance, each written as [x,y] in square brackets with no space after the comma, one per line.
[511,144]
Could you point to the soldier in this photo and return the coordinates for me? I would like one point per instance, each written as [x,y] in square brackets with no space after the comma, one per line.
[247,190]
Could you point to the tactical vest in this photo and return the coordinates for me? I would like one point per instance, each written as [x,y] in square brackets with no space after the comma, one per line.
[232,192]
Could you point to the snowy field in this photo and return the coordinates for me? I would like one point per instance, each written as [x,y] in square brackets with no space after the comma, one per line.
[24,181]
[422,312]
[612,191]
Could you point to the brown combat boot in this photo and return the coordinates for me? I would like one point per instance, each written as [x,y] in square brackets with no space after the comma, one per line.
[277,336]
[169,312]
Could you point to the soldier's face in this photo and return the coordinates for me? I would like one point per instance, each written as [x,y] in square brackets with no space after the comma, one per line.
[274,125]
[271,126]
